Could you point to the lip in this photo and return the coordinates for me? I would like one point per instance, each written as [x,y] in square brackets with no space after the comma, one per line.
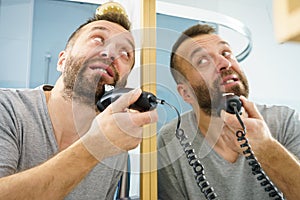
[103,69]
[230,80]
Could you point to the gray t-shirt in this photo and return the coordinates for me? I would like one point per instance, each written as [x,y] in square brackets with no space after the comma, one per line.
[231,181]
[27,139]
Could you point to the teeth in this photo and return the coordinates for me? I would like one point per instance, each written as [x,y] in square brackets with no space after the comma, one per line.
[229,81]
[102,70]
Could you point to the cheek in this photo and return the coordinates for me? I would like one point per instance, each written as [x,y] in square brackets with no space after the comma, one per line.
[83,50]
[197,78]
[80,53]
[123,68]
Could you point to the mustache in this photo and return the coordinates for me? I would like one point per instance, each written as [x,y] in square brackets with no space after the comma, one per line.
[228,72]
[105,61]
[225,73]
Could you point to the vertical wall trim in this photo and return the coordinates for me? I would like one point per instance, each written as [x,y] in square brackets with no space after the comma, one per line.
[148,178]
[30,38]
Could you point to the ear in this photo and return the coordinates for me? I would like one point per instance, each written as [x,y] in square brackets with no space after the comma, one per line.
[61,61]
[185,93]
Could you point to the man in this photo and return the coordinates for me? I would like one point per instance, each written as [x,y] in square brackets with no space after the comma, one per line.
[205,69]
[54,143]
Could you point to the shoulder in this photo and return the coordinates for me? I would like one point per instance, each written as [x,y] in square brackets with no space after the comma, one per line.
[265,109]
[11,95]
[9,98]
[16,100]
[284,125]
[277,113]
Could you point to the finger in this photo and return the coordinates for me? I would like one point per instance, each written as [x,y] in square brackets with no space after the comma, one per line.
[230,120]
[228,129]
[234,124]
[125,100]
[131,123]
[143,118]
[250,108]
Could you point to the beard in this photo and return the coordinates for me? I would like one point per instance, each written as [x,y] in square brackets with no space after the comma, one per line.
[82,87]
[210,98]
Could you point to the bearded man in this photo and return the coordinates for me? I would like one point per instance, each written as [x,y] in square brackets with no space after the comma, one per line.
[54,143]
[213,160]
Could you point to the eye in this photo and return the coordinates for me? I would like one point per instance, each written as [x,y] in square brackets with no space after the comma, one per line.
[227,54]
[124,53]
[99,40]
[202,61]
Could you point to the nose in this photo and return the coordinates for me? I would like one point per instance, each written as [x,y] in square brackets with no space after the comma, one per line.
[223,63]
[108,52]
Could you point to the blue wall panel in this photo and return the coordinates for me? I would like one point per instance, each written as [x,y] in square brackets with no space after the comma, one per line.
[54,22]
[169,29]
[15,42]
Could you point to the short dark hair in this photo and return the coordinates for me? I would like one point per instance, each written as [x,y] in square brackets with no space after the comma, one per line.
[114,17]
[198,29]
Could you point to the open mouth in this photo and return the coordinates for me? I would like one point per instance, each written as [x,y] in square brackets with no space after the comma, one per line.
[230,79]
[103,69]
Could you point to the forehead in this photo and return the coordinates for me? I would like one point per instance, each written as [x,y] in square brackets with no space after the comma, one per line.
[200,42]
[107,27]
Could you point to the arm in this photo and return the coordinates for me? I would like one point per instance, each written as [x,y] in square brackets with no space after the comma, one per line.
[55,178]
[282,167]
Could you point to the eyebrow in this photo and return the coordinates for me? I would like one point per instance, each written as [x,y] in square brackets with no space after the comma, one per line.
[102,28]
[224,43]
[130,43]
[199,49]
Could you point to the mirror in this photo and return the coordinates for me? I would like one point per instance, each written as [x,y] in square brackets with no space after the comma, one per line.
[29,46]
[270,66]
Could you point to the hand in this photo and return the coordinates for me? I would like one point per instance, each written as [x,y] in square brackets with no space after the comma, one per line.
[116,130]
[257,133]
[281,166]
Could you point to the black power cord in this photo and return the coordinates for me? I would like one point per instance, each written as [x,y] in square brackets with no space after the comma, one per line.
[234,107]
[199,173]
[253,162]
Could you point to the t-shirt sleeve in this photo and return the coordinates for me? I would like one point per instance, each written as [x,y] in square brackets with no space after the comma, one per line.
[120,160]
[292,136]
[113,186]
[284,125]
[9,153]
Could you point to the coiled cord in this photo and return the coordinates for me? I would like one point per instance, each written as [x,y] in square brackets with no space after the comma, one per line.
[253,162]
[193,160]
[199,172]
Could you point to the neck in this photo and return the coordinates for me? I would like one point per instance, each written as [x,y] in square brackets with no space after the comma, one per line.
[70,120]
[210,127]
[217,136]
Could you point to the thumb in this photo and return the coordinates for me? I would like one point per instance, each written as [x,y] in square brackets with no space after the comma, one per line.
[250,108]
[125,100]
